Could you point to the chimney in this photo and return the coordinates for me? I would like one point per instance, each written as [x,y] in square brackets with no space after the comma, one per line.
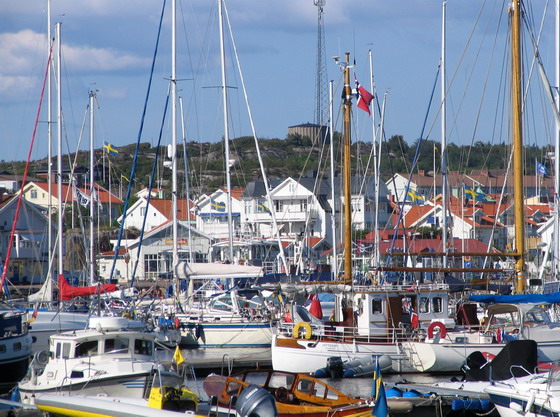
[422,173]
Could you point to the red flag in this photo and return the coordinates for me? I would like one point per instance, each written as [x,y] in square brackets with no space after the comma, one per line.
[315,309]
[364,97]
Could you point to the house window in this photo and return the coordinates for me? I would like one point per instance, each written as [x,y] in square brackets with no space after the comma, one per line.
[279,205]
[142,211]
[33,194]
[292,187]
[303,205]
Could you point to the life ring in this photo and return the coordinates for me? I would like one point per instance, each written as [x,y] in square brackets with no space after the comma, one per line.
[440,326]
[298,326]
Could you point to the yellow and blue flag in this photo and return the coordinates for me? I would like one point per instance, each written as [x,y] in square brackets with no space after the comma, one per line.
[218,206]
[414,197]
[380,408]
[261,208]
[110,149]
[476,195]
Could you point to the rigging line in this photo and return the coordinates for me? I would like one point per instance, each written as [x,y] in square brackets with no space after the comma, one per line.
[24,179]
[151,186]
[135,158]
[414,162]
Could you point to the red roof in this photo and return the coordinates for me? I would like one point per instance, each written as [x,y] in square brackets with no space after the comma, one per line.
[164,206]
[104,196]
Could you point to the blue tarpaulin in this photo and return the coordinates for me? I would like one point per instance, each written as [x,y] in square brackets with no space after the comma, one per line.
[518,298]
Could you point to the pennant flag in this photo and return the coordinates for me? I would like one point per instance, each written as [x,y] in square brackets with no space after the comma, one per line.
[34,314]
[414,197]
[178,357]
[364,97]
[261,208]
[541,168]
[476,195]
[110,149]
[380,408]
[218,206]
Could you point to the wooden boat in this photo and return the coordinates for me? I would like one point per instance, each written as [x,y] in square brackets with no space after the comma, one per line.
[296,394]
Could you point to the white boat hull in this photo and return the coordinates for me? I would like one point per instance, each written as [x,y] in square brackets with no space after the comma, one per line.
[230,334]
[302,355]
[449,357]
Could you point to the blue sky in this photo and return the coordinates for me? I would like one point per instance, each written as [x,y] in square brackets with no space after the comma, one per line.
[108,46]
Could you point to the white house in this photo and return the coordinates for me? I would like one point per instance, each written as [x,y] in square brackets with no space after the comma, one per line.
[159,211]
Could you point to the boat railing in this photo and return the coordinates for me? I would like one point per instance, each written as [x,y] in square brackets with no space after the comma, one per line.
[405,287]
[336,332]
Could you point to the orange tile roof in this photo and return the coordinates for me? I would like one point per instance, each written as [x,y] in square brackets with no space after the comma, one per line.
[164,206]
[104,196]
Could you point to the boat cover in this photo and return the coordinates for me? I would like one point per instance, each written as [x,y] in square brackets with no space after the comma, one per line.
[517,298]
[67,291]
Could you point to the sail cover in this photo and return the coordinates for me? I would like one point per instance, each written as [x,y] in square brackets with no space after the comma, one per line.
[67,291]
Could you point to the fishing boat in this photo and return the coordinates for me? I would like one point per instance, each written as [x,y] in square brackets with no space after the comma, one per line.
[295,394]
[113,356]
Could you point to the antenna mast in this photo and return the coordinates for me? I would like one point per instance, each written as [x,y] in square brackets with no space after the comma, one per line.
[321,85]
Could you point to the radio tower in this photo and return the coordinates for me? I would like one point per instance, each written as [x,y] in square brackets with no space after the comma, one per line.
[321,85]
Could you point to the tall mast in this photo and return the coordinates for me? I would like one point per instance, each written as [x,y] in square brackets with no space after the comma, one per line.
[347,173]
[226,128]
[91,187]
[321,69]
[556,234]
[187,182]
[444,224]
[173,152]
[333,208]
[49,140]
[59,155]
[376,165]
[517,145]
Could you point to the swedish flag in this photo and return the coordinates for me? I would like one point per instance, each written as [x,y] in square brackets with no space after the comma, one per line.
[219,206]
[476,195]
[380,408]
[414,197]
[261,208]
[110,149]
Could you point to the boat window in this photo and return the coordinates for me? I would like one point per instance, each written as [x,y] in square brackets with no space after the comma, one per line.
[143,347]
[2,348]
[536,316]
[319,390]
[258,378]
[331,395]
[376,306]
[58,349]
[437,305]
[17,347]
[86,349]
[116,345]
[279,379]
[305,386]
[66,350]
[424,305]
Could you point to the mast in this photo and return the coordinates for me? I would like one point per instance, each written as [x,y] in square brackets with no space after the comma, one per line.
[49,143]
[333,208]
[173,150]
[347,173]
[59,155]
[187,183]
[376,165]
[226,128]
[444,224]
[91,188]
[556,233]
[517,145]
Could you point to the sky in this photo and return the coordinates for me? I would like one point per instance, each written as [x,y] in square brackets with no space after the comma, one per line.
[108,46]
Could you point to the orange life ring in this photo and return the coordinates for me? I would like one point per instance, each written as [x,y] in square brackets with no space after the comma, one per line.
[440,326]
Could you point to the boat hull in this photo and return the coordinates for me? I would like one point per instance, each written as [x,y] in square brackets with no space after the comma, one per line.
[131,385]
[307,356]
[449,357]
[242,335]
